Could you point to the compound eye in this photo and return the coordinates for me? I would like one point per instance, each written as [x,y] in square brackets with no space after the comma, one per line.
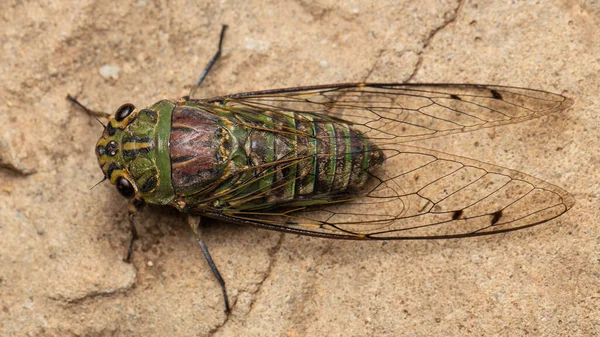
[125,188]
[123,111]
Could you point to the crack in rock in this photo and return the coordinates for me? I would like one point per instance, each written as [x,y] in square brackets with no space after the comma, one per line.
[452,18]
[273,252]
[11,160]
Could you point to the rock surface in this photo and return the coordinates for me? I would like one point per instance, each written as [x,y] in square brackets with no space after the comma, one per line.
[61,269]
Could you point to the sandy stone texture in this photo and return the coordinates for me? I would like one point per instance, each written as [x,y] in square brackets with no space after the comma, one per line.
[62,244]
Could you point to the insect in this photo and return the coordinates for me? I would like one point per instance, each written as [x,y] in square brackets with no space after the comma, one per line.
[331,160]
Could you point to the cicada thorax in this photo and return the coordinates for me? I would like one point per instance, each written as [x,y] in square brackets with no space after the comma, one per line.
[200,151]
[244,159]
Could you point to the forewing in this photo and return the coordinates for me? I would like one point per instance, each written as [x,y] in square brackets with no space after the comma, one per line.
[398,113]
[418,193]
[423,194]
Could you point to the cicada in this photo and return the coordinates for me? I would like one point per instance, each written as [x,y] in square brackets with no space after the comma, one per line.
[335,161]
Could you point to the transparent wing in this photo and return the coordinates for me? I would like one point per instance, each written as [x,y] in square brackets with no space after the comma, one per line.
[418,193]
[396,113]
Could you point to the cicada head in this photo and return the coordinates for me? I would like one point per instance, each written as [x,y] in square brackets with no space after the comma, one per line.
[127,152]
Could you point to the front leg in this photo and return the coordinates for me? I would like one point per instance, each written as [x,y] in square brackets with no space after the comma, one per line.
[134,206]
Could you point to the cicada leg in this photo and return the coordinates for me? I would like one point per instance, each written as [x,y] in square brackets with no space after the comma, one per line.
[134,206]
[194,222]
[134,236]
[210,63]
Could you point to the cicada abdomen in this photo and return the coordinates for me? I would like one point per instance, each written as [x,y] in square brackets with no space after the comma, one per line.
[247,159]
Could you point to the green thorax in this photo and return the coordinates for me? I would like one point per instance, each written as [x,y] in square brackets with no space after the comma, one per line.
[255,173]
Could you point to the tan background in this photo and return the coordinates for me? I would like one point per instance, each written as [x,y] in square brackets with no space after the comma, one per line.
[61,244]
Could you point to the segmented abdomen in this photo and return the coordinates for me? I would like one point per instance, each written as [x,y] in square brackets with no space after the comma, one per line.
[300,161]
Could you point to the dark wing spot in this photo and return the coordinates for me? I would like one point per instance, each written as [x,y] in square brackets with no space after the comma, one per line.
[453,96]
[496,94]
[457,214]
[496,217]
